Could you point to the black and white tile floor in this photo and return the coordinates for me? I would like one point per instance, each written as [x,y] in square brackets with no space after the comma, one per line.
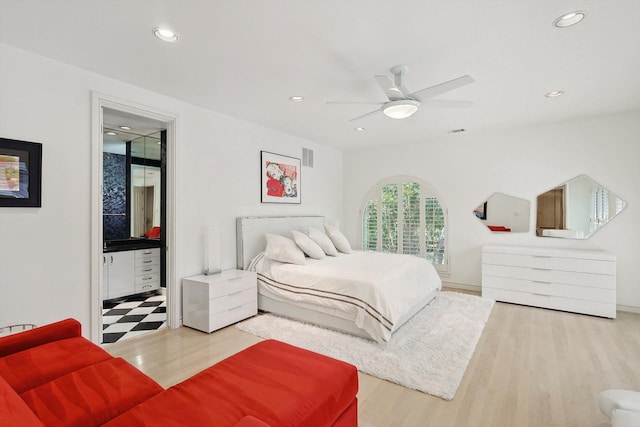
[131,316]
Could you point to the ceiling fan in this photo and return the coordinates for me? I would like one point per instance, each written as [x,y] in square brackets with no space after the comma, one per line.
[402,103]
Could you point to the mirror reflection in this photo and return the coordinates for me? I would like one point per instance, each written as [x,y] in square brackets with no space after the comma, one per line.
[132,185]
[576,209]
[502,213]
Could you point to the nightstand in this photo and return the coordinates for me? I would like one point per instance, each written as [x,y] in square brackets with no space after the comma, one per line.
[213,302]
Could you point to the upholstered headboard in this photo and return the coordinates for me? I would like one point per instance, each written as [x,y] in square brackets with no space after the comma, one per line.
[251,231]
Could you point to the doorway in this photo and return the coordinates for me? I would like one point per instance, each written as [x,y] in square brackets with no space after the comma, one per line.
[137,227]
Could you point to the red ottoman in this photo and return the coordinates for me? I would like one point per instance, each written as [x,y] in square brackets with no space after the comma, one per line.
[269,383]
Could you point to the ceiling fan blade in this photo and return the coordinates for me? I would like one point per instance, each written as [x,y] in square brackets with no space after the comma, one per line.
[448,103]
[441,88]
[390,89]
[355,102]
[366,115]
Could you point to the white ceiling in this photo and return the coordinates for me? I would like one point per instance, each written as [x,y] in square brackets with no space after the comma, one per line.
[245,58]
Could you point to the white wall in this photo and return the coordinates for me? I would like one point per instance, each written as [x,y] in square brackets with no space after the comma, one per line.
[524,162]
[45,252]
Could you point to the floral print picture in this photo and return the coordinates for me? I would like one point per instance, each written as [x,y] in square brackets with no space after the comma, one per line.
[280,181]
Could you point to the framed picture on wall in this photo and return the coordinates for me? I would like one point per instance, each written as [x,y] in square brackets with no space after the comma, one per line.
[20,173]
[280,178]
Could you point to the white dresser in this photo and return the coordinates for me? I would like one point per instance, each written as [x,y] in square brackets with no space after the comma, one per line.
[213,302]
[580,281]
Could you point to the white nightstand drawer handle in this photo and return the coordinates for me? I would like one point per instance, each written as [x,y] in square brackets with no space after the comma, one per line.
[235,278]
[540,282]
[541,295]
[147,278]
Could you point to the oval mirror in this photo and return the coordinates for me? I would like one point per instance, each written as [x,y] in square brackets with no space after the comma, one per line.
[576,209]
[502,213]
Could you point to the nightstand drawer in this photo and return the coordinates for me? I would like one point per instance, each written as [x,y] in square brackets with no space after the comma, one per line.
[233,300]
[233,315]
[232,284]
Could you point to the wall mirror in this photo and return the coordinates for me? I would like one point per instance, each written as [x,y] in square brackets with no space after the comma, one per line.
[502,213]
[576,209]
[132,181]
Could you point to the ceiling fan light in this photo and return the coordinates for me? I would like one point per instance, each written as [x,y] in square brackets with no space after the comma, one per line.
[400,109]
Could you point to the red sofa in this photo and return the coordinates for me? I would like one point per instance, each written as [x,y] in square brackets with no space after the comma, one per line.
[52,376]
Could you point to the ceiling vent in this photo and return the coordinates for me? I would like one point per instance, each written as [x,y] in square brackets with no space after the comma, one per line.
[307,157]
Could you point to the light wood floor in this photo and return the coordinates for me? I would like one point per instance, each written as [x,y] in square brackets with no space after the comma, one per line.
[532,367]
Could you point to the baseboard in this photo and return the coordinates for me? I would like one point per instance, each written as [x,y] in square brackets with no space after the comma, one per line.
[628,308]
[462,286]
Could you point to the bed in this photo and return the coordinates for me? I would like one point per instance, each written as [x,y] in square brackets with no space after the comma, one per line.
[368,294]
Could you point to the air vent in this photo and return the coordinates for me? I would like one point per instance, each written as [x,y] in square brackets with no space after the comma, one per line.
[307,157]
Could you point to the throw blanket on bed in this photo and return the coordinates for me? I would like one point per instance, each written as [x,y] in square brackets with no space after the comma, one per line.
[378,291]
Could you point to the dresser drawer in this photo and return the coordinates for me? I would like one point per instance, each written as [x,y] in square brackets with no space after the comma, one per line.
[233,300]
[595,308]
[551,263]
[232,315]
[549,288]
[552,276]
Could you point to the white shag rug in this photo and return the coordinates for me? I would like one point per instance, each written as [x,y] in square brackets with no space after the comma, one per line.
[429,353]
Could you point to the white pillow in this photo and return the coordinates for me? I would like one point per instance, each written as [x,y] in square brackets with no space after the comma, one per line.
[307,245]
[339,240]
[280,248]
[323,241]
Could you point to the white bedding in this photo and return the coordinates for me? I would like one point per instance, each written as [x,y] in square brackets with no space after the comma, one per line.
[377,291]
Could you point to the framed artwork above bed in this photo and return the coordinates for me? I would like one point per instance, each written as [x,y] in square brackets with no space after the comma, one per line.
[280,178]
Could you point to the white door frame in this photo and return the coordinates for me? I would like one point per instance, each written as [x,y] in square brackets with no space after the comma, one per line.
[98,102]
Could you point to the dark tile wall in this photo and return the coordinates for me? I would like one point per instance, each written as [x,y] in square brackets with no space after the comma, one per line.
[114,197]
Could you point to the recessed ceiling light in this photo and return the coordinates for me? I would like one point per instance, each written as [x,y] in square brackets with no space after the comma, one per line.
[554,94]
[359,129]
[125,127]
[569,19]
[111,133]
[165,35]
[296,98]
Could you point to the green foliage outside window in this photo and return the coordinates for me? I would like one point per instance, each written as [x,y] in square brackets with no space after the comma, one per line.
[421,218]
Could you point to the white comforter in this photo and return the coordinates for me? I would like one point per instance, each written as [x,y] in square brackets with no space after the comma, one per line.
[378,291]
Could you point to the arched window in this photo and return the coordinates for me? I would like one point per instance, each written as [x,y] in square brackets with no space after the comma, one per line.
[402,215]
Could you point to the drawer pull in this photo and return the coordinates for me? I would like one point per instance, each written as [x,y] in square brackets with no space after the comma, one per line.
[234,293]
[147,252]
[147,269]
[147,286]
[235,278]
[147,278]
[540,282]
[147,261]
[541,295]
[541,269]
